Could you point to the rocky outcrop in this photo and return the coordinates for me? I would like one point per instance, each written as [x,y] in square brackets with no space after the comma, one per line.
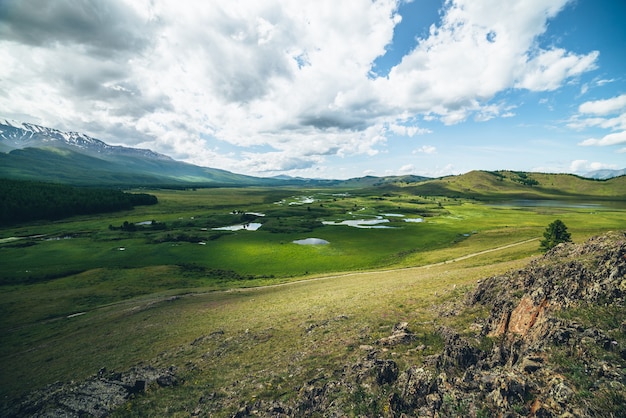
[554,345]
[400,335]
[96,396]
[557,336]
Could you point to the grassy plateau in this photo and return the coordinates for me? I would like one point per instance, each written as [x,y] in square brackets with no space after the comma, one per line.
[248,313]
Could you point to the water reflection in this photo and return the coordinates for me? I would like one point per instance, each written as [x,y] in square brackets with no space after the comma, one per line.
[311,241]
[361,223]
[252,226]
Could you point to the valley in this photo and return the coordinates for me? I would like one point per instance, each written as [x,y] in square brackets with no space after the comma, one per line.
[246,317]
[342,209]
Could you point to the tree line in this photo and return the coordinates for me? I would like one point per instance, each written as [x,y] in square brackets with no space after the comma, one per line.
[22,201]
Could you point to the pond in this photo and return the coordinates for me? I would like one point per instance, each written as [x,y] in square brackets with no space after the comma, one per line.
[252,226]
[362,223]
[297,200]
[304,200]
[372,223]
[311,241]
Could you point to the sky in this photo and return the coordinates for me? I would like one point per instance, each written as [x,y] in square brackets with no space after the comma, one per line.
[327,88]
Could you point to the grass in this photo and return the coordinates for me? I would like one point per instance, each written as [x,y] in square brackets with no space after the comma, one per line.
[300,332]
[200,307]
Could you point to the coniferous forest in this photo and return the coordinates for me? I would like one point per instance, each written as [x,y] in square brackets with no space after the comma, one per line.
[22,201]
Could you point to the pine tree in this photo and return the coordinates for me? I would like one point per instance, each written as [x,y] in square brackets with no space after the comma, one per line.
[555,234]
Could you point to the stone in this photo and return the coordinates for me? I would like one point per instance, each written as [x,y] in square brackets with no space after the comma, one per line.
[457,351]
[386,371]
[414,385]
[167,380]
[531,365]
[97,396]
[400,335]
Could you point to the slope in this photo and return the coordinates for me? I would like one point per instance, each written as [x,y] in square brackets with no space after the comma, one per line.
[547,339]
[63,165]
[486,185]
[33,152]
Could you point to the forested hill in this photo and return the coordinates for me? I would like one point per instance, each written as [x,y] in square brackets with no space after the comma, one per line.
[26,200]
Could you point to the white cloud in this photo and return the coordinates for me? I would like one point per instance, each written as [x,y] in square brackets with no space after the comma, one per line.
[610,139]
[438,171]
[425,149]
[292,78]
[409,131]
[406,169]
[604,107]
[584,166]
[459,67]
[608,114]
[582,122]
[548,70]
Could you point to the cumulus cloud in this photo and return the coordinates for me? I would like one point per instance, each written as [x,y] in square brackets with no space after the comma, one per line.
[406,169]
[604,107]
[409,131]
[480,49]
[610,139]
[584,166]
[291,78]
[608,114]
[104,28]
[425,149]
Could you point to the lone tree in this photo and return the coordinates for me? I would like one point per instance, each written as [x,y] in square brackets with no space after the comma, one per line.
[555,234]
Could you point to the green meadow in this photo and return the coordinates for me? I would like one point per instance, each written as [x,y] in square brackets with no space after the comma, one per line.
[84,293]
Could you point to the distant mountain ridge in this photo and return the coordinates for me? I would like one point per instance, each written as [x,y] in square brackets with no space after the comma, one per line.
[17,135]
[605,174]
[33,152]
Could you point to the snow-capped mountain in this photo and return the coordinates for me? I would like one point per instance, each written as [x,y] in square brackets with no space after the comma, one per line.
[17,135]
[33,152]
[605,174]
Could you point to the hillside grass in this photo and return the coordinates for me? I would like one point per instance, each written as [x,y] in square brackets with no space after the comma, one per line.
[277,337]
[70,306]
[486,185]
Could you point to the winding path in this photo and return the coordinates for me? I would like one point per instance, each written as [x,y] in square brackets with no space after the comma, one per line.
[356,273]
[138,305]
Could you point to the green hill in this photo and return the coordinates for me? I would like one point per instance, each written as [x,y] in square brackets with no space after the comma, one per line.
[488,185]
[63,165]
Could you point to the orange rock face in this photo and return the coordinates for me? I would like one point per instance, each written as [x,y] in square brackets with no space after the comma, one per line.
[521,319]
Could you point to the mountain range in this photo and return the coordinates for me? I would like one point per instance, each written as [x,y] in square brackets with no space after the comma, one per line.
[15,135]
[33,152]
[605,174]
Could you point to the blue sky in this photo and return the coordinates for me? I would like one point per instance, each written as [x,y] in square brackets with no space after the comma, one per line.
[328,89]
